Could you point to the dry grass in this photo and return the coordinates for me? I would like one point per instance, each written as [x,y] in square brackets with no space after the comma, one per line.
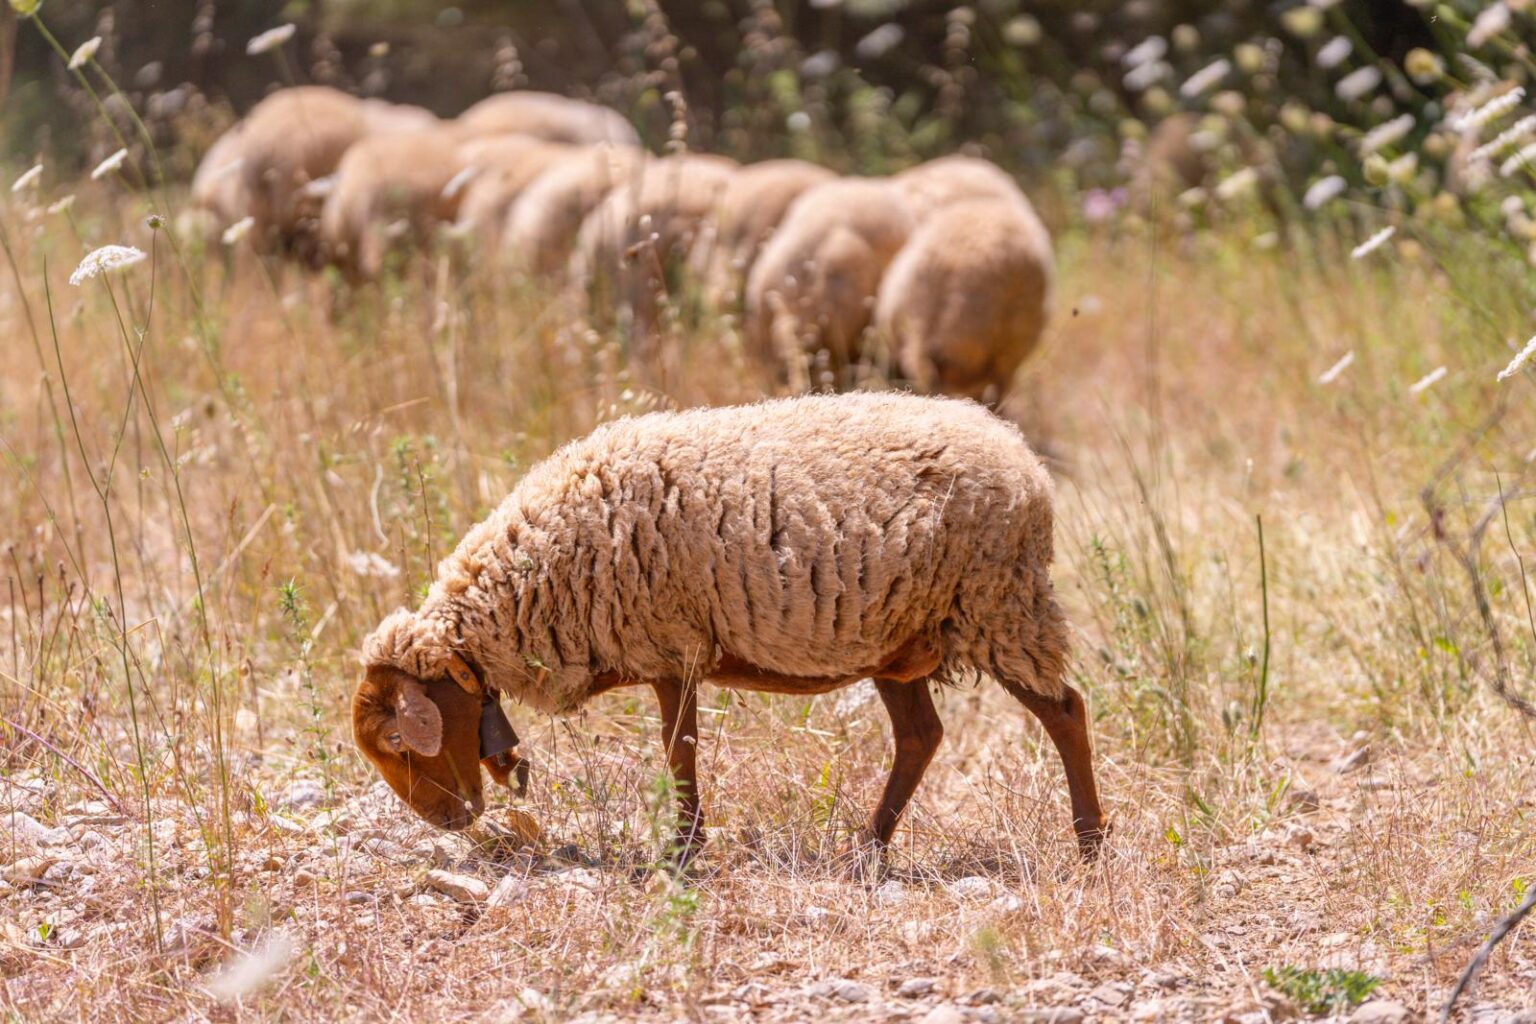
[1377,819]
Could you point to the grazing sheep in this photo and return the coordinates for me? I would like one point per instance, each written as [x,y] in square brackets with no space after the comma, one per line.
[631,245]
[752,205]
[500,169]
[795,546]
[546,116]
[542,225]
[297,136]
[965,300]
[812,288]
[388,187]
[933,185]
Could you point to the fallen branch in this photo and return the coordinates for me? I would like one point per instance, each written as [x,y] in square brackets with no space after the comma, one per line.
[76,765]
[1506,925]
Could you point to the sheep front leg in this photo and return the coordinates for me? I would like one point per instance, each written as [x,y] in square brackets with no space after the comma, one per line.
[680,735]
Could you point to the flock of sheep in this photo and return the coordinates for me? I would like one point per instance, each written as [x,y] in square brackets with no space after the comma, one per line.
[940,274]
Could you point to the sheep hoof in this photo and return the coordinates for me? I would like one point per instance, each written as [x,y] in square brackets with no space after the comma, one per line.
[1090,839]
[864,860]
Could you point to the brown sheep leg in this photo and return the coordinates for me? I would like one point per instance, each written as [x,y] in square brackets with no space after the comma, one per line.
[680,735]
[917,731]
[1066,722]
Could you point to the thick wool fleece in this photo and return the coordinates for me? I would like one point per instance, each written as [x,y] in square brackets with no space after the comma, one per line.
[810,537]
[966,299]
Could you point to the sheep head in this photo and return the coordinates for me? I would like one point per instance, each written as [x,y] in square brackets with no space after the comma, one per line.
[428,739]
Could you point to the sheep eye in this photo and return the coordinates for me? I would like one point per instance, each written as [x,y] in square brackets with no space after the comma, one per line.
[393,741]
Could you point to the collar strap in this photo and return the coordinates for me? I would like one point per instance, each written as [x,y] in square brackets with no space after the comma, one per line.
[460,672]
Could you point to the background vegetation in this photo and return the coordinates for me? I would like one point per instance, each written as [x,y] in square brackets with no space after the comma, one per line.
[1294,528]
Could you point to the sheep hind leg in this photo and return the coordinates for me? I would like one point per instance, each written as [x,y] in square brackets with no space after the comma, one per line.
[917,732]
[1065,719]
[680,735]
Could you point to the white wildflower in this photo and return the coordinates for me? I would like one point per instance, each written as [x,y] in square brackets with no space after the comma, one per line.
[238,230]
[366,563]
[63,204]
[84,52]
[29,179]
[1389,133]
[1508,137]
[1521,358]
[1323,191]
[246,972]
[458,181]
[1144,76]
[1428,381]
[1239,183]
[108,257]
[1492,21]
[1523,159]
[1206,77]
[1490,111]
[111,165]
[271,39]
[1358,83]
[1148,51]
[880,42]
[1332,373]
[1373,243]
[1333,52]
[1402,170]
[319,188]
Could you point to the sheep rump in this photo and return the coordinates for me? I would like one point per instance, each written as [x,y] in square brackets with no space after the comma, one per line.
[809,537]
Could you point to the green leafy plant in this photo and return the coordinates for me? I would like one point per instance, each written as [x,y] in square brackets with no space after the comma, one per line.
[1321,991]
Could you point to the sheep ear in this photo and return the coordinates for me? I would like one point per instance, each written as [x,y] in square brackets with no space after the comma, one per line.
[419,720]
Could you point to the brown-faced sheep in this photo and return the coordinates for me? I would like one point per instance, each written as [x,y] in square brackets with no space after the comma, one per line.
[547,116]
[297,136]
[750,208]
[542,225]
[795,546]
[632,244]
[811,291]
[499,169]
[950,179]
[389,187]
[965,300]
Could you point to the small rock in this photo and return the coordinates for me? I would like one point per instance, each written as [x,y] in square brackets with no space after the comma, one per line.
[507,892]
[1112,993]
[361,898]
[842,988]
[90,839]
[817,917]
[384,849]
[302,795]
[303,877]
[1382,1011]
[24,827]
[984,997]
[915,988]
[944,1015]
[28,871]
[982,1014]
[1303,801]
[463,888]
[891,893]
[1007,903]
[58,873]
[973,887]
[1051,1015]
